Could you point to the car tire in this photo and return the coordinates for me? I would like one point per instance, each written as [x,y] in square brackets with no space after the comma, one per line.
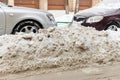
[28,27]
[114,26]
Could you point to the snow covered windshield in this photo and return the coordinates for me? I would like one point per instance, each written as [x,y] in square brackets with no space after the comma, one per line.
[112,4]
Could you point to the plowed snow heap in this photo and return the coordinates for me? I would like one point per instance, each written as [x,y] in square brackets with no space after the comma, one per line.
[60,47]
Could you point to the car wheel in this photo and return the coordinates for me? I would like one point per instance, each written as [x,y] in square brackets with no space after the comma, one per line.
[113,27]
[28,27]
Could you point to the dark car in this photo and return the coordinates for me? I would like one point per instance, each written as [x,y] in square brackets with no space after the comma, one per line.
[100,17]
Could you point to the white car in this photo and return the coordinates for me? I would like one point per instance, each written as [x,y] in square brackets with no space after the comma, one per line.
[19,19]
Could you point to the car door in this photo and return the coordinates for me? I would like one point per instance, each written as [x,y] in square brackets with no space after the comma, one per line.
[2,21]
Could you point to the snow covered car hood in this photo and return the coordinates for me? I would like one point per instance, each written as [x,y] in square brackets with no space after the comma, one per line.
[95,11]
[105,7]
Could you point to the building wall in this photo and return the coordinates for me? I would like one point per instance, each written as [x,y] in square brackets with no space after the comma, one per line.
[72,5]
[11,2]
[4,1]
[94,2]
[44,4]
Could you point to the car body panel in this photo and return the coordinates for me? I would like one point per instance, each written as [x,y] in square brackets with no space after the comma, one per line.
[107,9]
[102,25]
[12,15]
[2,21]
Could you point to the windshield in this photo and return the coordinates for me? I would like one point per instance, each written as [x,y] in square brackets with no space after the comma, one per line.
[109,4]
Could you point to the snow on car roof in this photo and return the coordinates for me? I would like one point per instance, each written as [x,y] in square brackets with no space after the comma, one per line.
[110,1]
[112,4]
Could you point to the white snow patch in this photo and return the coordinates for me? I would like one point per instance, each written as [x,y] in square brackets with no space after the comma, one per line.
[58,47]
[61,17]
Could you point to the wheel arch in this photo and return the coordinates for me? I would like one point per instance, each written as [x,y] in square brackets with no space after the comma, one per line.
[15,27]
[112,21]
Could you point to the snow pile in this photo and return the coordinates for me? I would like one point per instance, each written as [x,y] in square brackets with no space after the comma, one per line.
[61,17]
[61,47]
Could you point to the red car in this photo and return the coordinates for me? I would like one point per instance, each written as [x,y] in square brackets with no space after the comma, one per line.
[101,18]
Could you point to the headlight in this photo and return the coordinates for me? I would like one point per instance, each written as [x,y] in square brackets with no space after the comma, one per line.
[51,17]
[94,19]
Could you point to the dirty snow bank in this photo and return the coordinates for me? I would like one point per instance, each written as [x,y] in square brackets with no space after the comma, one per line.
[61,47]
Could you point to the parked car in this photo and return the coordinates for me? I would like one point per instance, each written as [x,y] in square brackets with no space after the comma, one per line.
[20,19]
[104,16]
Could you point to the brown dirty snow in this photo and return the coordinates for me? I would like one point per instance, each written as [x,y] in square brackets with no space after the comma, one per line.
[57,47]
